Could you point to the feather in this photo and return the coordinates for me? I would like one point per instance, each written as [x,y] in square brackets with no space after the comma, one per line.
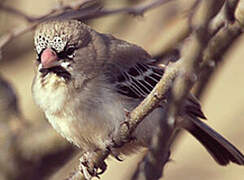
[139,80]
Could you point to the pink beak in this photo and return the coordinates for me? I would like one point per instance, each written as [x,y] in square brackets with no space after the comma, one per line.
[49,58]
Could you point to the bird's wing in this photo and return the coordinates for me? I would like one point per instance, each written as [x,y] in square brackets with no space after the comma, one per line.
[135,74]
[133,71]
[138,80]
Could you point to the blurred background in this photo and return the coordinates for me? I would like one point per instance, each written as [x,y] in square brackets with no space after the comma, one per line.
[31,149]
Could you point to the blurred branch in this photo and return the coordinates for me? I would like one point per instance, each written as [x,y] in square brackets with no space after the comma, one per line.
[230,7]
[59,9]
[8,37]
[79,11]
[150,168]
[226,33]
[224,17]
[8,108]
[33,21]
[225,38]
[141,9]
[193,54]
[8,100]
[16,12]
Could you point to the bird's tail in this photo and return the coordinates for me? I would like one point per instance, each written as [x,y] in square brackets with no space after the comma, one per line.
[220,149]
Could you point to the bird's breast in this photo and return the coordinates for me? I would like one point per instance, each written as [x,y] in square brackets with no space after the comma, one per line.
[84,123]
[50,92]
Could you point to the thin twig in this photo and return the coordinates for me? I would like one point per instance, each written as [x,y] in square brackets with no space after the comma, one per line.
[6,38]
[30,18]
[213,55]
[17,13]
[68,12]
[141,9]
[194,53]
[224,17]
[34,21]
[227,33]
[137,10]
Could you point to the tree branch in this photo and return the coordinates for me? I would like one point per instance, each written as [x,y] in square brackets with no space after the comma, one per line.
[150,168]
[227,32]
[16,12]
[80,11]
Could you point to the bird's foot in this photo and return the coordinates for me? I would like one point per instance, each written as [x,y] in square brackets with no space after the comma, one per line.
[90,167]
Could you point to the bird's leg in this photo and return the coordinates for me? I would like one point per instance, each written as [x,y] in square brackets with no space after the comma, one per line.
[118,141]
[115,142]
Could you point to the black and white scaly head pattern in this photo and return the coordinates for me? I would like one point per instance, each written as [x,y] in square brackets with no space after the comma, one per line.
[58,35]
[64,38]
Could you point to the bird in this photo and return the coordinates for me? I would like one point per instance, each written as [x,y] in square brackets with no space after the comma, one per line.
[86,81]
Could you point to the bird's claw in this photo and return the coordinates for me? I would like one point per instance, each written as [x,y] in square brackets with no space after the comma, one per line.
[89,168]
[127,113]
[102,167]
[119,158]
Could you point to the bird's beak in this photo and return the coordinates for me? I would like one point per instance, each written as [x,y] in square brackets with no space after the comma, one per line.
[49,58]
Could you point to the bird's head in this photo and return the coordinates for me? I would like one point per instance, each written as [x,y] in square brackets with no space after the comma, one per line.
[62,47]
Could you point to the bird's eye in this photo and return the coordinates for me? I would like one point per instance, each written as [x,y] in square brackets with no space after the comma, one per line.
[70,50]
[67,53]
